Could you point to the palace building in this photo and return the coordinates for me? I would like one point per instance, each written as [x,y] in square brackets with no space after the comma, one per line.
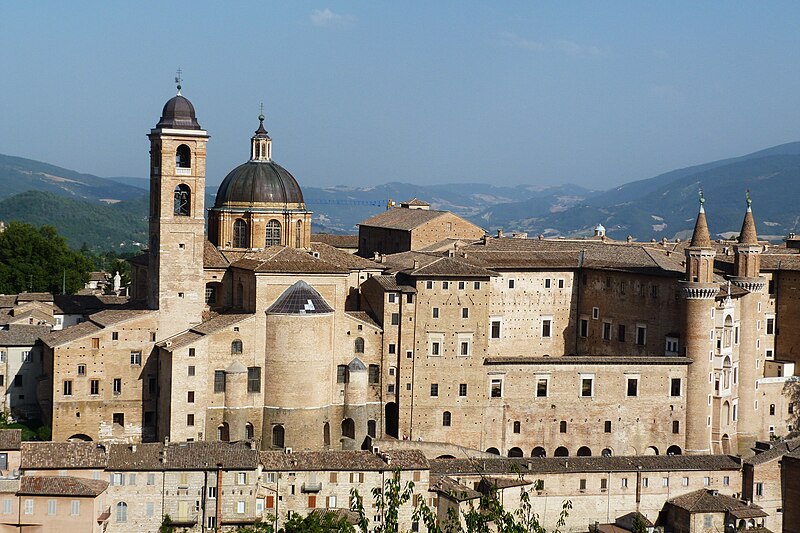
[251,330]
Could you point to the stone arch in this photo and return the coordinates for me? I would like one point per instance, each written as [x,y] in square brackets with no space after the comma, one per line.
[240,236]
[515,452]
[726,444]
[584,451]
[80,437]
[493,451]
[538,452]
[348,428]
[224,432]
[674,450]
[236,346]
[249,431]
[561,451]
[278,436]
[183,157]
[607,452]
[326,434]
[272,236]
[182,205]
[726,412]
[651,450]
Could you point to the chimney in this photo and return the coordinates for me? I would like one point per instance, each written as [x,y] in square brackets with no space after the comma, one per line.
[133,448]
[499,233]
[376,257]
[416,264]
[629,238]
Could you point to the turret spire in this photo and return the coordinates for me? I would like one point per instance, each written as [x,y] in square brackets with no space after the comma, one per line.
[260,143]
[700,237]
[748,234]
[178,81]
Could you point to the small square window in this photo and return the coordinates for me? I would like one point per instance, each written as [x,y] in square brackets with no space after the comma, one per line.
[496,388]
[434,390]
[511,283]
[81,370]
[476,285]
[435,312]
[392,297]
[462,389]
[428,284]
[465,312]
[445,285]
[462,285]
[547,283]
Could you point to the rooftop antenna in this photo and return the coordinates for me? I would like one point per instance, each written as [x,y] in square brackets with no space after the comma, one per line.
[178,81]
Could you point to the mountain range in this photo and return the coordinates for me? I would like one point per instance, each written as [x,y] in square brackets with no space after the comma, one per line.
[111,213]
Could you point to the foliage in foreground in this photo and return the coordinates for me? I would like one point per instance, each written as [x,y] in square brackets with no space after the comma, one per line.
[488,516]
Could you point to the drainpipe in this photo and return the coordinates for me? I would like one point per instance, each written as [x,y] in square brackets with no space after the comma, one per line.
[219,497]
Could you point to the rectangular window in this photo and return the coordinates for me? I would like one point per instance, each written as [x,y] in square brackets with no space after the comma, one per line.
[547,324]
[434,390]
[409,298]
[641,335]
[462,285]
[395,319]
[633,387]
[541,387]
[28,506]
[190,371]
[445,285]
[118,419]
[435,312]
[624,483]
[495,329]
[190,420]
[584,328]
[665,482]
[26,356]
[685,481]
[51,507]
[428,284]
[582,485]
[604,484]
[392,297]
[2,357]
[241,478]
[496,388]
[587,386]
[726,481]
[81,370]
[706,481]
[476,285]
[595,313]
[621,333]
[676,426]
[94,386]
[136,358]
[435,342]
[241,506]
[151,479]
[561,284]
[770,326]
[645,482]
[374,374]
[254,379]
[547,283]
[68,387]
[190,396]
[463,347]
[606,331]
[607,426]
[465,312]
[95,343]
[117,386]
[219,381]
[511,283]
[759,489]
[392,348]
[75,508]
[462,389]
[675,387]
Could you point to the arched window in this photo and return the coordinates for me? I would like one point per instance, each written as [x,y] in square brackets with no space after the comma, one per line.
[584,451]
[183,157]
[674,450]
[278,434]
[772,409]
[651,450]
[223,432]
[273,233]
[249,432]
[515,452]
[726,412]
[493,450]
[447,418]
[183,201]
[561,451]
[297,232]
[236,346]
[359,345]
[326,434]
[517,426]
[240,234]
[606,452]
[371,428]
[122,512]
[538,452]
[348,428]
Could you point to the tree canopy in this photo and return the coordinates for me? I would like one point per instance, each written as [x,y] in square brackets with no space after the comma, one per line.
[38,260]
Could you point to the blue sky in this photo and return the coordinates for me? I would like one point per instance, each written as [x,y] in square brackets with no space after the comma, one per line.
[357,93]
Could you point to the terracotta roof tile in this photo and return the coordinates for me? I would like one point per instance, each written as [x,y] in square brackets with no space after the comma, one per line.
[212,258]
[390,283]
[402,218]
[10,439]
[342,461]
[335,256]
[338,241]
[22,335]
[362,316]
[280,259]
[61,486]
[62,455]
[78,331]
[711,501]
[588,360]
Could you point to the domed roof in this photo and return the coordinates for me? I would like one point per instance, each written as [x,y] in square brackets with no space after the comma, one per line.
[258,182]
[178,114]
[300,299]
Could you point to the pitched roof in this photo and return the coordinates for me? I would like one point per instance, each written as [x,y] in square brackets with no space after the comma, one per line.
[343,460]
[62,455]
[700,235]
[335,256]
[455,490]
[84,304]
[748,234]
[96,322]
[212,258]
[776,451]
[402,218]
[200,455]
[22,335]
[280,259]
[217,322]
[555,465]
[337,241]
[61,486]
[451,267]
[389,283]
[711,501]
[362,316]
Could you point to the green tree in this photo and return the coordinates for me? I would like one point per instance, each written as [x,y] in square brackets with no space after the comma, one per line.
[39,260]
[638,524]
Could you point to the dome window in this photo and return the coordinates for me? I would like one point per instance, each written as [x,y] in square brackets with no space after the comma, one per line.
[183,200]
[273,236]
[240,234]
[183,157]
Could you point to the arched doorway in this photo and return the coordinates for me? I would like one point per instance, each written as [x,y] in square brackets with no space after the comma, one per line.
[538,452]
[515,452]
[726,444]
[493,451]
[584,451]
[676,450]
[391,419]
[348,428]
[278,436]
[561,451]
[607,452]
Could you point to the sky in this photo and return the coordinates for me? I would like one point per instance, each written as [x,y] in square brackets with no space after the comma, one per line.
[359,93]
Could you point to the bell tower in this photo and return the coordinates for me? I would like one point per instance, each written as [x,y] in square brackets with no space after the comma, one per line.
[177,224]
[699,293]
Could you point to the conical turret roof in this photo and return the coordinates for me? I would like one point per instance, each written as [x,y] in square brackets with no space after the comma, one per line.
[748,234]
[700,237]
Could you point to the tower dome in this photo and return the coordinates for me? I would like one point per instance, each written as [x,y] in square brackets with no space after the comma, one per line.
[259,184]
[178,114]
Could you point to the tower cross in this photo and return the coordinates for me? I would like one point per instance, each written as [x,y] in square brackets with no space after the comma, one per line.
[178,80]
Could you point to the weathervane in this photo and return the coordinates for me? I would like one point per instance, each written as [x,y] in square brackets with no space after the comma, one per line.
[178,81]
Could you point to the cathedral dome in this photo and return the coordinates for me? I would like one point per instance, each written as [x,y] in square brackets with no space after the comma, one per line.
[178,114]
[258,183]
